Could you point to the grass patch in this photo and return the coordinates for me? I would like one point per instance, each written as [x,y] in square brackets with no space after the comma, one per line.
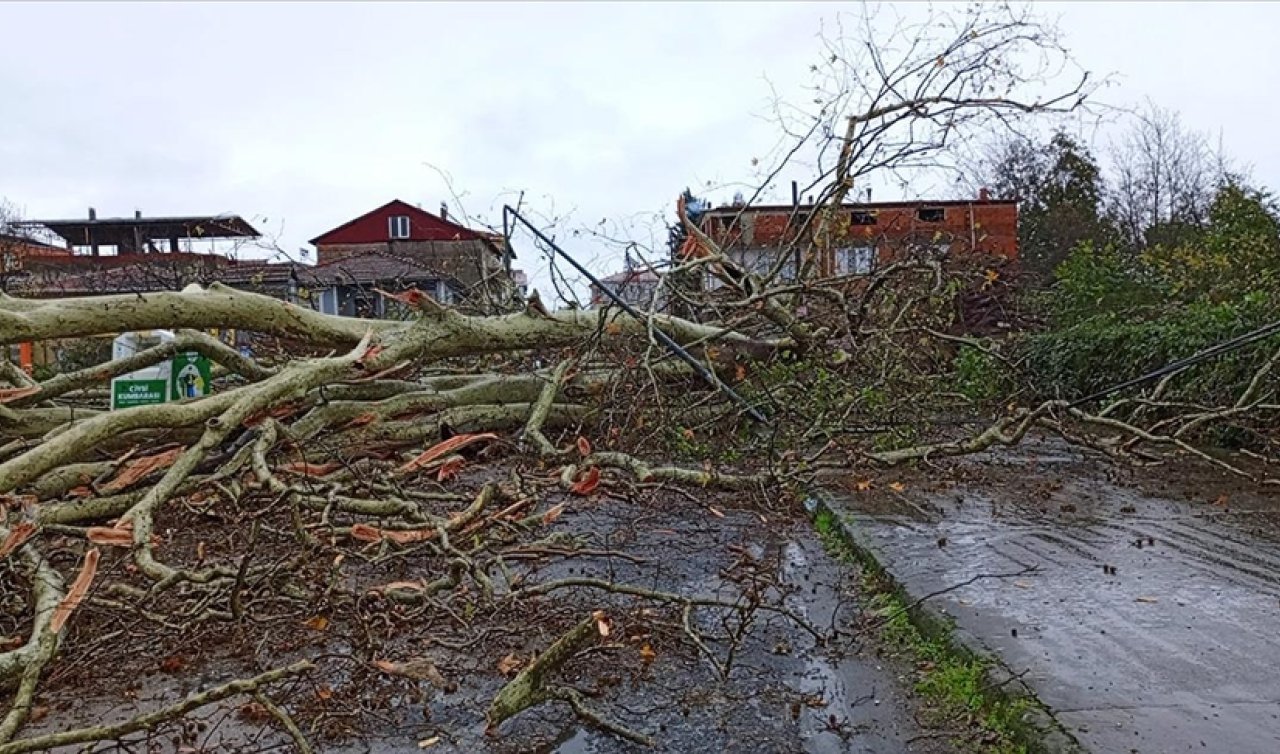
[954,681]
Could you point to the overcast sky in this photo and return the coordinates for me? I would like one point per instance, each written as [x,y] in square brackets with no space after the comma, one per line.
[302,116]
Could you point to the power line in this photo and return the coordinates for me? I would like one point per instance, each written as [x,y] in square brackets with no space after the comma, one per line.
[1226,346]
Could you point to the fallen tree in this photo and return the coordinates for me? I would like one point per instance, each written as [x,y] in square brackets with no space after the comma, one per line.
[314,484]
[324,436]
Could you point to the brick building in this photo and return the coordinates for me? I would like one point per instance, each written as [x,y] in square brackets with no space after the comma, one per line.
[864,236]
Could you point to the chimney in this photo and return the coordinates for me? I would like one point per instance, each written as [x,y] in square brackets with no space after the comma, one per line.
[983,194]
[93,214]
[795,194]
[444,211]
[137,214]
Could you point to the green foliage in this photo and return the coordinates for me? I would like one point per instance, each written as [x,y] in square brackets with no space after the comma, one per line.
[1237,252]
[1117,314]
[1110,347]
[1094,280]
[1059,187]
[954,680]
[978,375]
[900,436]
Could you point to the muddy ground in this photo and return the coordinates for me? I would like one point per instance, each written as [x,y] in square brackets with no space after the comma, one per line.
[784,692]
[1149,623]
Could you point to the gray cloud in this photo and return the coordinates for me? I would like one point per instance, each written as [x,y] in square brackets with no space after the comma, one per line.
[310,114]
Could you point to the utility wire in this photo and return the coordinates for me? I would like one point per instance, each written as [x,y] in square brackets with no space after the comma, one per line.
[1226,346]
[707,375]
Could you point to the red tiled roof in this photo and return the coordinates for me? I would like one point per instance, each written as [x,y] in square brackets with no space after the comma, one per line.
[371,268]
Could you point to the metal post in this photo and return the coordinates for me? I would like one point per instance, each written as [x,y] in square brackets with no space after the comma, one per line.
[706,374]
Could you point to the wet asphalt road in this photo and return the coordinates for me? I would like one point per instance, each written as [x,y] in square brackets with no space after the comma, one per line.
[1152,622]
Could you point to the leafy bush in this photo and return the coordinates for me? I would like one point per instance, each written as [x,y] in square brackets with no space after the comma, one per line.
[978,375]
[1117,314]
[1110,347]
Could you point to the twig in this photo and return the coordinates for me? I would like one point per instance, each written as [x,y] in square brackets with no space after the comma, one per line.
[151,719]
[884,619]
[285,720]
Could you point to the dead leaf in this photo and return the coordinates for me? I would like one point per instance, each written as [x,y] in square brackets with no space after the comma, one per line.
[202,498]
[324,692]
[1148,600]
[75,595]
[647,655]
[254,713]
[613,328]
[588,483]
[418,669]
[139,468]
[584,447]
[1021,584]
[110,536]
[367,533]
[862,485]
[441,449]
[427,743]
[897,486]
[552,514]
[510,665]
[316,623]
[18,534]
[603,623]
[278,412]
[38,713]
[740,373]
[687,434]
[172,664]
[1221,501]
[450,468]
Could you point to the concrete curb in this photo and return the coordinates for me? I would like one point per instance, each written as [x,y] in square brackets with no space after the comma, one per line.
[1040,731]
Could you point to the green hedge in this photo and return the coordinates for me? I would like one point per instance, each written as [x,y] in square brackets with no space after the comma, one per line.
[1099,351]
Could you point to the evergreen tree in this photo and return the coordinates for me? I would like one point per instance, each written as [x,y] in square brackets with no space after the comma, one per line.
[1059,188]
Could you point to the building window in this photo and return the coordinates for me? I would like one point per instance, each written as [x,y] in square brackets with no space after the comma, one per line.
[862,218]
[855,260]
[398,226]
[931,214]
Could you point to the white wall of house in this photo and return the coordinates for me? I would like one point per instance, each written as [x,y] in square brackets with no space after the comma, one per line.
[329,301]
[761,262]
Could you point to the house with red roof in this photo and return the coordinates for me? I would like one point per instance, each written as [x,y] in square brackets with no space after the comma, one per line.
[399,246]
